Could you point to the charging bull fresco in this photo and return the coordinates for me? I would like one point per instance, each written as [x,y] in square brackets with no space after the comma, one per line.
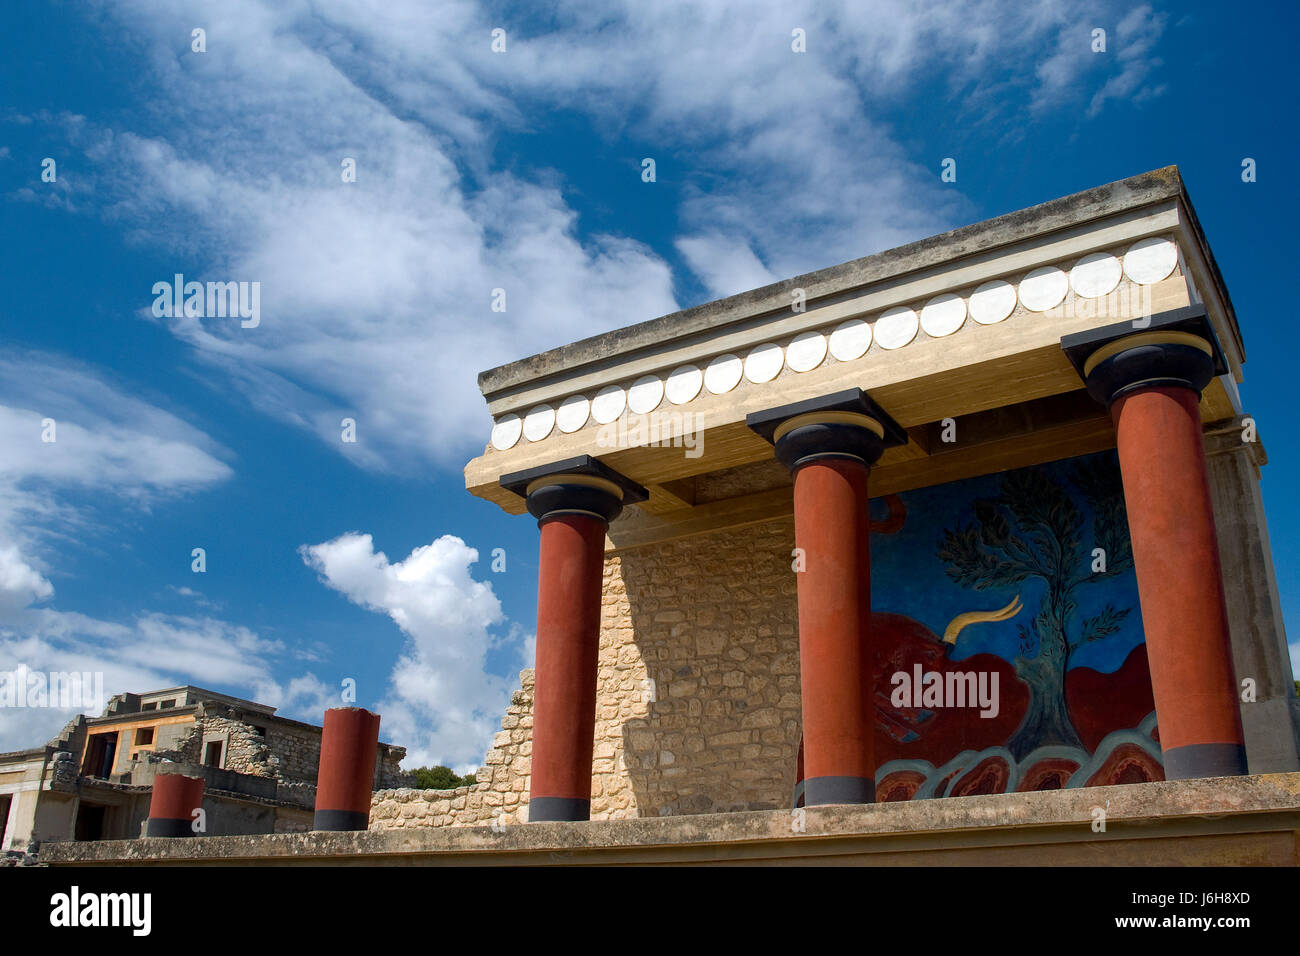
[1009,653]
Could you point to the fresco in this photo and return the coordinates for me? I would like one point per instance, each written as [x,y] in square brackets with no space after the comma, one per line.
[1009,646]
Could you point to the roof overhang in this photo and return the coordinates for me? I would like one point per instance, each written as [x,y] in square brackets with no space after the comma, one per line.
[999,380]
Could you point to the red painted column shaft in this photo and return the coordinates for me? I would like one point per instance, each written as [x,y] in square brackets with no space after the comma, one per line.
[832,531]
[571,564]
[172,804]
[1176,557]
[344,781]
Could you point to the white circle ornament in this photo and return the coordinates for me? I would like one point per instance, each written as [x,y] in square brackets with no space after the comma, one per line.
[572,413]
[896,327]
[764,362]
[943,315]
[850,340]
[1043,289]
[806,352]
[684,383]
[645,394]
[539,422]
[992,302]
[608,404]
[723,374]
[1150,260]
[1095,275]
[506,431]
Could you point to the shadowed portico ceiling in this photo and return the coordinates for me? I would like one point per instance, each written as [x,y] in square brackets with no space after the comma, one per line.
[963,326]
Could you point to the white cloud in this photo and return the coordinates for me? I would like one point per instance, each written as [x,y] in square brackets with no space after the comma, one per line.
[442,705]
[376,294]
[104,439]
[152,651]
[131,455]
[1137,34]
[20,583]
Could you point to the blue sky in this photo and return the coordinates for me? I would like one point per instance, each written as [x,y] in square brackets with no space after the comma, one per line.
[479,170]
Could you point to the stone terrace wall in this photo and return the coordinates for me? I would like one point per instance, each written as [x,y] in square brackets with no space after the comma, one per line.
[698,691]
[500,794]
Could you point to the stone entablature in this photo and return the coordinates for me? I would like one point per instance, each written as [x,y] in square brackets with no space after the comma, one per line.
[963,306]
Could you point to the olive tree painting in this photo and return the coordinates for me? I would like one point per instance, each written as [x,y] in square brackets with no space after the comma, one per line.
[1035,530]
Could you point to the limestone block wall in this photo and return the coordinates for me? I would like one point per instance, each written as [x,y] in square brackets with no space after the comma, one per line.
[286,752]
[710,621]
[246,751]
[297,752]
[501,794]
[697,707]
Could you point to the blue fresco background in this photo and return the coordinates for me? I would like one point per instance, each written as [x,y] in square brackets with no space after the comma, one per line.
[907,576]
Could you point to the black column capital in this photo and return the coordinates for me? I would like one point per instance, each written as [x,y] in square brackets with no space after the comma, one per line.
[581,485]
[1177,348]
[846,424]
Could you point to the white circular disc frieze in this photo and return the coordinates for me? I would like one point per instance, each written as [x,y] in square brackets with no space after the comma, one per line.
[850,340]
[723,374]
[684,384]
[1150,260]
[1095,275]
[943,315]
[538,422]
[992,302]
[764,362]
[1043,289]
[806,352]
[572,413]
[645,394]
[506,431]
[896,327]
[608,404]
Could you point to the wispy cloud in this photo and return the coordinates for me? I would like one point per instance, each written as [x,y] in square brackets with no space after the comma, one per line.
[442,704]
[376,292]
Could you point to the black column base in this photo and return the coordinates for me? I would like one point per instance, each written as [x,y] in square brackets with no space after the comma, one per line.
[155,827]
[821,791]
[1205,760]
[558,809]
[340,820]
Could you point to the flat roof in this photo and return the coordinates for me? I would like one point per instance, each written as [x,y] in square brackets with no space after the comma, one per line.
[1057,214]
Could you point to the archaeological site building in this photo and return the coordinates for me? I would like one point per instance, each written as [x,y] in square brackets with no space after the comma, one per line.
[943,553]
[95,779]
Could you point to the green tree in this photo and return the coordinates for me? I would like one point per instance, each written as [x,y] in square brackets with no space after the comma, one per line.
[1034,529]
[440,778]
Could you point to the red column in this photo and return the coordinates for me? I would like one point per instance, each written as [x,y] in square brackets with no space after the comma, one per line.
[572,557]
[831,530]
[349,743]
[172,804]
[829,444]
[1176,557]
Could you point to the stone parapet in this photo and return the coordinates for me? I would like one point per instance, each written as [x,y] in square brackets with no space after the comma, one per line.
[1250,820]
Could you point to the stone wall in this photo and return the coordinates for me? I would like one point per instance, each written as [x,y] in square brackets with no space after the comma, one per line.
[699,676]
[296,751]
[288,753]
[698,692]
[500,795]
[246,751]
